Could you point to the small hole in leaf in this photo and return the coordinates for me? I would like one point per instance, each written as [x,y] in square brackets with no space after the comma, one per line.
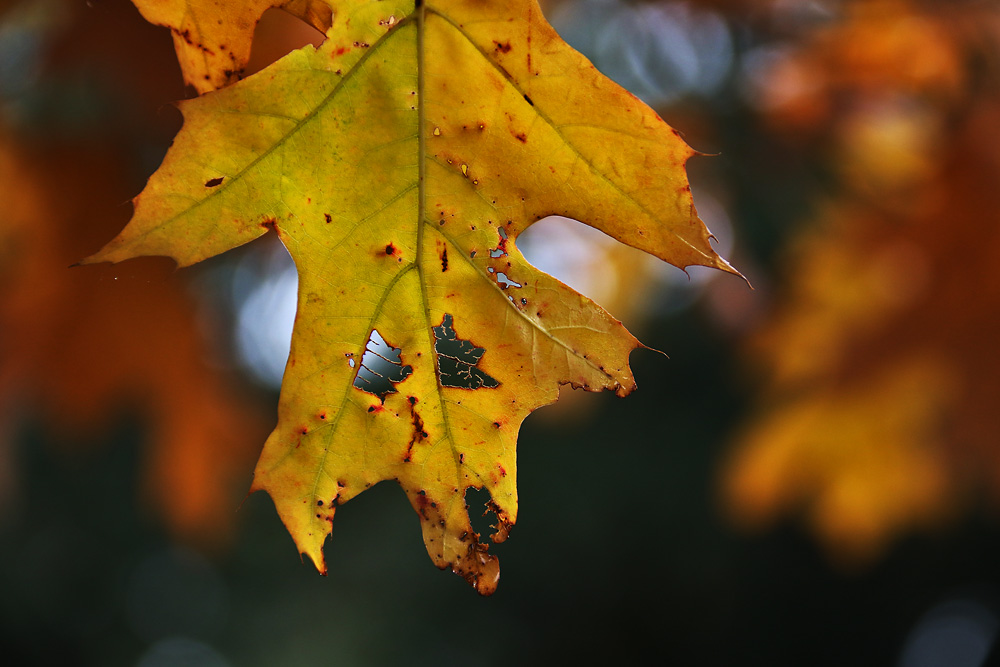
[480,514]
[458,359]
[381,367]
[507,282]
[501,249]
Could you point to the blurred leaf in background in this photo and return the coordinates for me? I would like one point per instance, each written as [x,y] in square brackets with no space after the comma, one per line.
[83,348]
[878,412]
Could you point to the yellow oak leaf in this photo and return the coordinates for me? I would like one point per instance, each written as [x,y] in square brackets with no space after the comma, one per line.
[398,162]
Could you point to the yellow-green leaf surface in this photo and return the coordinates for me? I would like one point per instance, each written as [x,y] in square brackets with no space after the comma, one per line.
[398,163]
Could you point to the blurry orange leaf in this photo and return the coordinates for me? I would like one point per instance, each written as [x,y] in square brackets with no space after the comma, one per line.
[398,163]
[881,376]
[85,345]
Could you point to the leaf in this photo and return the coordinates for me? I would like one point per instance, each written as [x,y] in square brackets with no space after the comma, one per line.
[398,163]
[213,38]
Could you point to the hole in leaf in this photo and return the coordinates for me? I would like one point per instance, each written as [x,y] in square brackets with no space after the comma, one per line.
[505,281]
[457,359]
[381,368]
[481,515]
[501,249]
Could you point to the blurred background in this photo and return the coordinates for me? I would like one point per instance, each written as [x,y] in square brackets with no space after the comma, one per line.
[809,479]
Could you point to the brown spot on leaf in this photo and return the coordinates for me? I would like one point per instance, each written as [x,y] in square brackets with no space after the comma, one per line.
[212,182]
[503,526]
[418,435]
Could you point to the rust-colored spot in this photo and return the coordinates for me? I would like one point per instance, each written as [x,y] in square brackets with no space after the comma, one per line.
[502,48]
[522,137]
[390,249]
[503,526]
[212,182]
[444,259]
[269,223]
[418,435]
[329,218]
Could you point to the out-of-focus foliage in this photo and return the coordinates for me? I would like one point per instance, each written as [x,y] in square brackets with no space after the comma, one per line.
[83,348]
[879,404]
